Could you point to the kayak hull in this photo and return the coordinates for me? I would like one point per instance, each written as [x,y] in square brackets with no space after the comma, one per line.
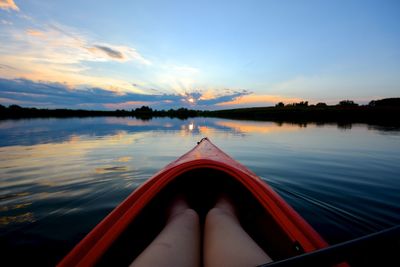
[204,171]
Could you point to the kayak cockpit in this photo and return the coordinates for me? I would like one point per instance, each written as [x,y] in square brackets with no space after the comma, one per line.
[201,187]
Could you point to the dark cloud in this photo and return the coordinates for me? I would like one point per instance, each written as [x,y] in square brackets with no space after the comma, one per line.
[223,98]
[110,52]
[58,95]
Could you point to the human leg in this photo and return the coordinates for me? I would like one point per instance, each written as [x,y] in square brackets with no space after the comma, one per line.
[225,241]
[178,244]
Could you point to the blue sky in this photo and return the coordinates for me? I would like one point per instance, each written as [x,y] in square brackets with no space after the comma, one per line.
[197,54]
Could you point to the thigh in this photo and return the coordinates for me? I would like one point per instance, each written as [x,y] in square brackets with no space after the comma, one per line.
[227,244]
[178,244]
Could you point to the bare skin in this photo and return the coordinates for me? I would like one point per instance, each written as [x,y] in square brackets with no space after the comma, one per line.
[225,241]
[178,244]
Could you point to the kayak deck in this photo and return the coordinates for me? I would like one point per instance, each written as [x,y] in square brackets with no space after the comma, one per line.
[201,175]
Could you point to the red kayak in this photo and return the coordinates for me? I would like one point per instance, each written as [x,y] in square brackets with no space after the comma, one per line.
[201,174]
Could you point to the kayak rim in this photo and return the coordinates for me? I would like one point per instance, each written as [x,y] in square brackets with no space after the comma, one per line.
[203,156]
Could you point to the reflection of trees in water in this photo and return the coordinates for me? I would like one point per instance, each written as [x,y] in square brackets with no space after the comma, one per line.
[47,130]
[385,129]
[344,126]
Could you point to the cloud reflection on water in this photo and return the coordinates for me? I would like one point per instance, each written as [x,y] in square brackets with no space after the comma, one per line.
[244,127]
[59,160]
[42,131]
[46,159]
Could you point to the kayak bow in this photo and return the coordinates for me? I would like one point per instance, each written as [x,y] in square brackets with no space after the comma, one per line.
[202,174]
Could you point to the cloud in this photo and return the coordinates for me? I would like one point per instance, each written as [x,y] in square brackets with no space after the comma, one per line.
[8,4]
[254,100]
[58,95]
[109,51]
[117,53]
[217,100]
[67,45]
[57,53]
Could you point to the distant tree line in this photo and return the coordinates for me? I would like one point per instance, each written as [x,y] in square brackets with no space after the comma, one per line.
[144,112]
[384,111]
[386,102]
[181,113]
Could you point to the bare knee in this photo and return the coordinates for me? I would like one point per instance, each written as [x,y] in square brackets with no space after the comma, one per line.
[190,214]
[188,217]
[216,215]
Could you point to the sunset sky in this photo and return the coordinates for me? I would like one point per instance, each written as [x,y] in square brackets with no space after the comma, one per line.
[96,54]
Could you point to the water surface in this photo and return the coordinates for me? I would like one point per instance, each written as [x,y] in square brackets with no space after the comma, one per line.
[60,177]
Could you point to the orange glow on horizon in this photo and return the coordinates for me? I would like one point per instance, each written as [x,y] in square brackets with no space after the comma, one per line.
[259,99]
[207,95]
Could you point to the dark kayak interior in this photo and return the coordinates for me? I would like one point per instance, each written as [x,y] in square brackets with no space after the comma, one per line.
[201,187]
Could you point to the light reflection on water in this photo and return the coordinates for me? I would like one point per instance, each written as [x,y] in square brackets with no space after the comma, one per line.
[59,177]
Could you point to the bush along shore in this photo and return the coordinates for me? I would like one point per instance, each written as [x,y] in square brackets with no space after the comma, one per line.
[384,112]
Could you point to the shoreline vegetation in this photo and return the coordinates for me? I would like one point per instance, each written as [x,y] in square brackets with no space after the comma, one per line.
[381,112]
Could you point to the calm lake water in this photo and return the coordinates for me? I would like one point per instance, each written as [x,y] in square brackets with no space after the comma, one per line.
[60,177]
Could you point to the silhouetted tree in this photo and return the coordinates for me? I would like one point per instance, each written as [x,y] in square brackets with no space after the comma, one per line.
[15,108]
[321,104]
[347,103]
[280,105]
[144,109]
[302,104]
[387,102]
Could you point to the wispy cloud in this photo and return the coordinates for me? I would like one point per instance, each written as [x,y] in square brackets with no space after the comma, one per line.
[57,53]
[8,5]
[76,66]
[63,43]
